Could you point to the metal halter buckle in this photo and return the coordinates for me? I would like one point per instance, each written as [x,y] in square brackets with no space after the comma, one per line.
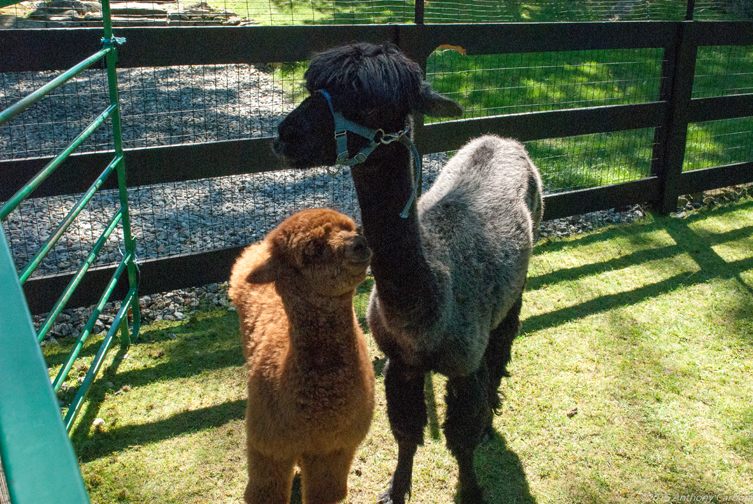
[376,137]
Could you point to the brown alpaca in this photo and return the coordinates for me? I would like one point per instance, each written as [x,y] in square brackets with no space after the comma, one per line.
[310,379]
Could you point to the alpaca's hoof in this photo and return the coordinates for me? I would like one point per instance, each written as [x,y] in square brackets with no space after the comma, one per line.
[472,496]
[386,497]
[489,434]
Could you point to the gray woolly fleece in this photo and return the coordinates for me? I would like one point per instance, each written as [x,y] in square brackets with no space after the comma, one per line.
[477,229]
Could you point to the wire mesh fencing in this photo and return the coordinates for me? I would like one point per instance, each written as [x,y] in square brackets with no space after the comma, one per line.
[181,105]
[501,84]
[184,105]
[287,12]
[723,71]
[160,106]
[719,143]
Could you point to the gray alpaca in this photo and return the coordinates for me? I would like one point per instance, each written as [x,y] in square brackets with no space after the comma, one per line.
[450,275]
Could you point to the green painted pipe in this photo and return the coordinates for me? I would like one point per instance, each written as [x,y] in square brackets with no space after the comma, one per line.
[18,107]
[40,177]
[77,278]
[73,355]
[96,364]
[61,229]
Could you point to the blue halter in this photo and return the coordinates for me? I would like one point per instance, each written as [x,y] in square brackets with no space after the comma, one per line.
[375,138]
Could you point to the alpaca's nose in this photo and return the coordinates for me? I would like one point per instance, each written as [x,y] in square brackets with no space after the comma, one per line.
[361,250]
[284,131]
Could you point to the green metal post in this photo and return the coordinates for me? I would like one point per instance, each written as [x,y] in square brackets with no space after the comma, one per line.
[130,244]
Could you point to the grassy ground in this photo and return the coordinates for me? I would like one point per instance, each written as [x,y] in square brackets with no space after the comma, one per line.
[630,383]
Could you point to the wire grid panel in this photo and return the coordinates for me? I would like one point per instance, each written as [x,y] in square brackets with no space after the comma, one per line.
[160,106]
[186,217]
[210,12]
[288,12]
[205,215]
[723,71]
[199,216]
[489,11]
[191,104]
[166,106]
[176,218]
[284,12]
[488,85]
[49,125]
[719,143]
[723,10]
[585,161]
[36,219]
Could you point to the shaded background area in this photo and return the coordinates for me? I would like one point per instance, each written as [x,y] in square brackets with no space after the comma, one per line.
[189,105]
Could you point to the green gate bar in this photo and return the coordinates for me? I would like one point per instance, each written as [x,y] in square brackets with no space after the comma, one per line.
[15,109]
[68,292]
[130,304]
[61,229]
[37,457]
[40,177]
[120,322]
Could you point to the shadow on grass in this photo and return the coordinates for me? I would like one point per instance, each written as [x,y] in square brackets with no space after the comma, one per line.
[502,474]
[499,469]
[120,438]
[198,347]
[95,398]
[687,242]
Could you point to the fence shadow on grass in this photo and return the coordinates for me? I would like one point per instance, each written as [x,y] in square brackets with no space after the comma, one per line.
[120,438]
[197,347]
[687,242]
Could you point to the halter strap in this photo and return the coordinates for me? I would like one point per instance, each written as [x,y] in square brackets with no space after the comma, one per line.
[375,138]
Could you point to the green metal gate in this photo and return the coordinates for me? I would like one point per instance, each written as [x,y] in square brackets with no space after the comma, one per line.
[40,466]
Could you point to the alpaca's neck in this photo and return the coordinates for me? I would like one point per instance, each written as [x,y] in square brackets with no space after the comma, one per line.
[305,309]
[316,321]
[404,281]
[323,336]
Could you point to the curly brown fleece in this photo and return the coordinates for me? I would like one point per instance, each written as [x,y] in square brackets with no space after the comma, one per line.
[310,378]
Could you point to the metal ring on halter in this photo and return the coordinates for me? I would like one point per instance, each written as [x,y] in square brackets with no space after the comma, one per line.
[336,172]
[376,137]
[388,138]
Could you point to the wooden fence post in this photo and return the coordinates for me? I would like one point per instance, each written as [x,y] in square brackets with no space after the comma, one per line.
[670,139]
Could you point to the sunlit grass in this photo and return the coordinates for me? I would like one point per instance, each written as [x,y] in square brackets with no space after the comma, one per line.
[630,378]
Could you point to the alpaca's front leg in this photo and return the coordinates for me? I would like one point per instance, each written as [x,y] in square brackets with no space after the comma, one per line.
[469,414]
[269,479]
[401,478]
[406,409]
[324,476]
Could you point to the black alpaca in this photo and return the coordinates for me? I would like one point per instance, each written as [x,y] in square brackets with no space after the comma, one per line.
[450,275]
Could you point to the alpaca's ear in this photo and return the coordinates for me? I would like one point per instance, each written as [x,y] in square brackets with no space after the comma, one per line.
[266,272]
[435,105]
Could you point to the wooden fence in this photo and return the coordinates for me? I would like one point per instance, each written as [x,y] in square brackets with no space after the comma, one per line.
[670,115]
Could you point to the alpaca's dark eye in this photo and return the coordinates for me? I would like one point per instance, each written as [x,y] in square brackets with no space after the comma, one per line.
[316,252]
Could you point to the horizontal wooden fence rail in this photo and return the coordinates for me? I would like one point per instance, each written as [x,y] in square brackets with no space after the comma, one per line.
[207,45]
[160,46]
